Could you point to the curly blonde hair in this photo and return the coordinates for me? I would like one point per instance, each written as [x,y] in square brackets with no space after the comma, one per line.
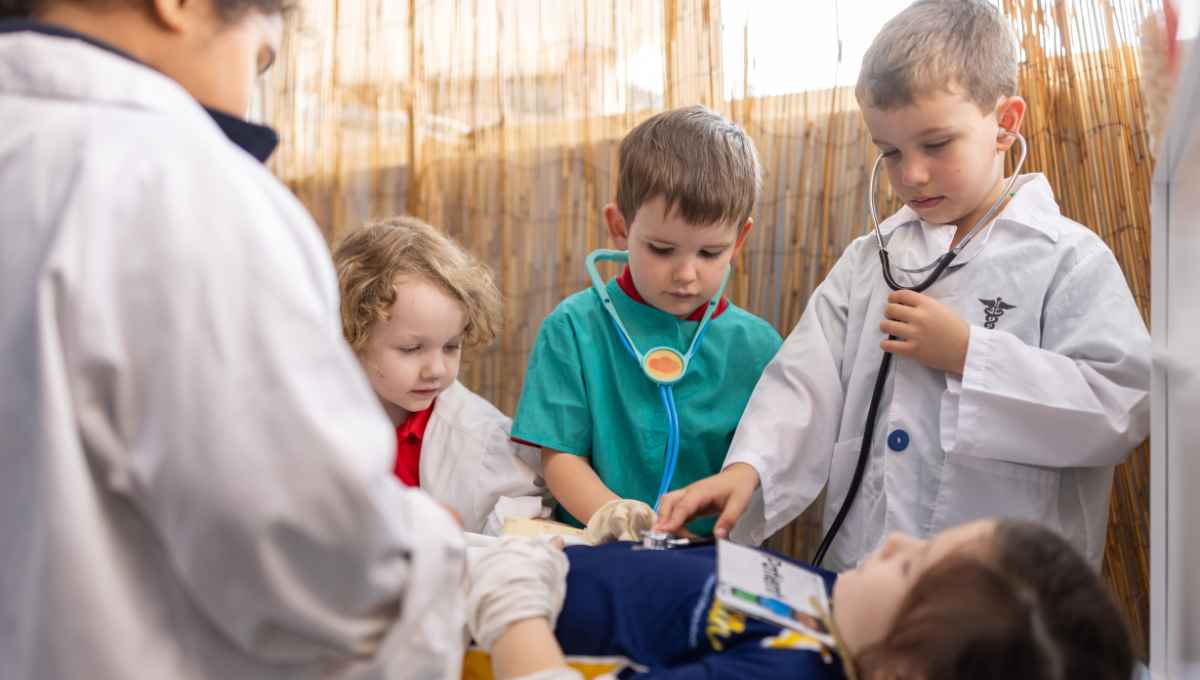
[372,260]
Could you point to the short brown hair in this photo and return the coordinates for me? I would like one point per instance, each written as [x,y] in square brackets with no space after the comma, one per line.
[372,260]
[1032,609]
[940,45]
[699,162]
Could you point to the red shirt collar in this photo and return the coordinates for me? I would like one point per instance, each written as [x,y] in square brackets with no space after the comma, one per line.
[625,281]
[414,425]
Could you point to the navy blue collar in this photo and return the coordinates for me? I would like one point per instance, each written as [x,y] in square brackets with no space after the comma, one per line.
[257,140]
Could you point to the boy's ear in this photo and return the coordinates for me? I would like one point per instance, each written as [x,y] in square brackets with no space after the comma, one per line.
[174,15]
[742,234]
[618,230]
[1010,112]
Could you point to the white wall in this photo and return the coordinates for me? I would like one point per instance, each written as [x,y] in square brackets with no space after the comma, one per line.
[1175,437]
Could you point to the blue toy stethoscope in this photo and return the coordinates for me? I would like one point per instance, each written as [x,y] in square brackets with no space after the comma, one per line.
[938,266]
[664,366]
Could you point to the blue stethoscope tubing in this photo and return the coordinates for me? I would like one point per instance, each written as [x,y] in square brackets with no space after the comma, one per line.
[938,266]
[665,390]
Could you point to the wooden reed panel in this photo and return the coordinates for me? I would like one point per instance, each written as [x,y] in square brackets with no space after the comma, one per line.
[1086,128]
[517,161]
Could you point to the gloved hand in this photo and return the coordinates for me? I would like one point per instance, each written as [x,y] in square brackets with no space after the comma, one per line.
[515,579]
[622,519]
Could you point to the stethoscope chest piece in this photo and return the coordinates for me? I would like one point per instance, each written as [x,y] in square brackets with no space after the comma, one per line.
[660,540]
[664,365]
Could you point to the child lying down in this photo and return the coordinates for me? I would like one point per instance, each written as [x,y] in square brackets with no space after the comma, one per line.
[989,599]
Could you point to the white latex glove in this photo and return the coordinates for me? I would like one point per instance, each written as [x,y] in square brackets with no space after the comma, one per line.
[513,580]
[507,507]
[619,520]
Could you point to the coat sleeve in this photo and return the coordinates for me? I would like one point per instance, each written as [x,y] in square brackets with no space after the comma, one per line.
[790,425]
[215,393]
[1079,400]
[512,475]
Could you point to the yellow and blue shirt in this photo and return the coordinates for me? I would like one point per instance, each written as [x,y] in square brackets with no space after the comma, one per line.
[657,611]
[633,613]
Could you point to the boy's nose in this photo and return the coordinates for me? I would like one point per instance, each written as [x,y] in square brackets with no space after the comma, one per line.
[686,272]
[913,173]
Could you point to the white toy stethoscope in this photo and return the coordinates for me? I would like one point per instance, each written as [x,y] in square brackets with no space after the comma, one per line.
[938,266]
[664,366]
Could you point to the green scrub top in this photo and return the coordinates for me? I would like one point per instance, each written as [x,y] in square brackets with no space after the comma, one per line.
[585,394]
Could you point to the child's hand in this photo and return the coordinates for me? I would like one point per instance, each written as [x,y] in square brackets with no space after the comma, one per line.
[727,492]
[925,330]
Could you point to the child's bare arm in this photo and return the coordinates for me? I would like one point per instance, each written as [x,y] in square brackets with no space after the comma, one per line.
[575,484]
[528,649]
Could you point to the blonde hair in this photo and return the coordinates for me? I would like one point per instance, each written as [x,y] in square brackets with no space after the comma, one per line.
[372,261]
[936,45]
[699,162]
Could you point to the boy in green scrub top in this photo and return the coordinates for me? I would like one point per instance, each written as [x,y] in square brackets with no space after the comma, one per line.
[688,182]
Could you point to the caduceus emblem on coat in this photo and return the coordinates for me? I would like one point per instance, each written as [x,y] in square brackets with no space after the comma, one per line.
[993,310]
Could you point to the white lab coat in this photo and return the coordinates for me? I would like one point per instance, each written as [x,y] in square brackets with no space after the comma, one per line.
[469,462]
[1054,392]
[194,473]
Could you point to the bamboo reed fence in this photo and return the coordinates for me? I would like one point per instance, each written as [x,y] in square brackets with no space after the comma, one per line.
[499,120]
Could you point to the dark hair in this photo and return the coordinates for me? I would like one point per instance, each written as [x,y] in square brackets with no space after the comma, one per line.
[16,9]
[1035,610]
[700,163]
[230,10]
[1078,610]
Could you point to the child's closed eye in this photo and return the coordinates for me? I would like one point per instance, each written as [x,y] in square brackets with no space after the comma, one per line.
[659,250]
[409,349]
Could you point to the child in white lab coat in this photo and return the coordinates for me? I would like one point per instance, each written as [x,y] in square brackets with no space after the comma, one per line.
[412,302]
[1020,378]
